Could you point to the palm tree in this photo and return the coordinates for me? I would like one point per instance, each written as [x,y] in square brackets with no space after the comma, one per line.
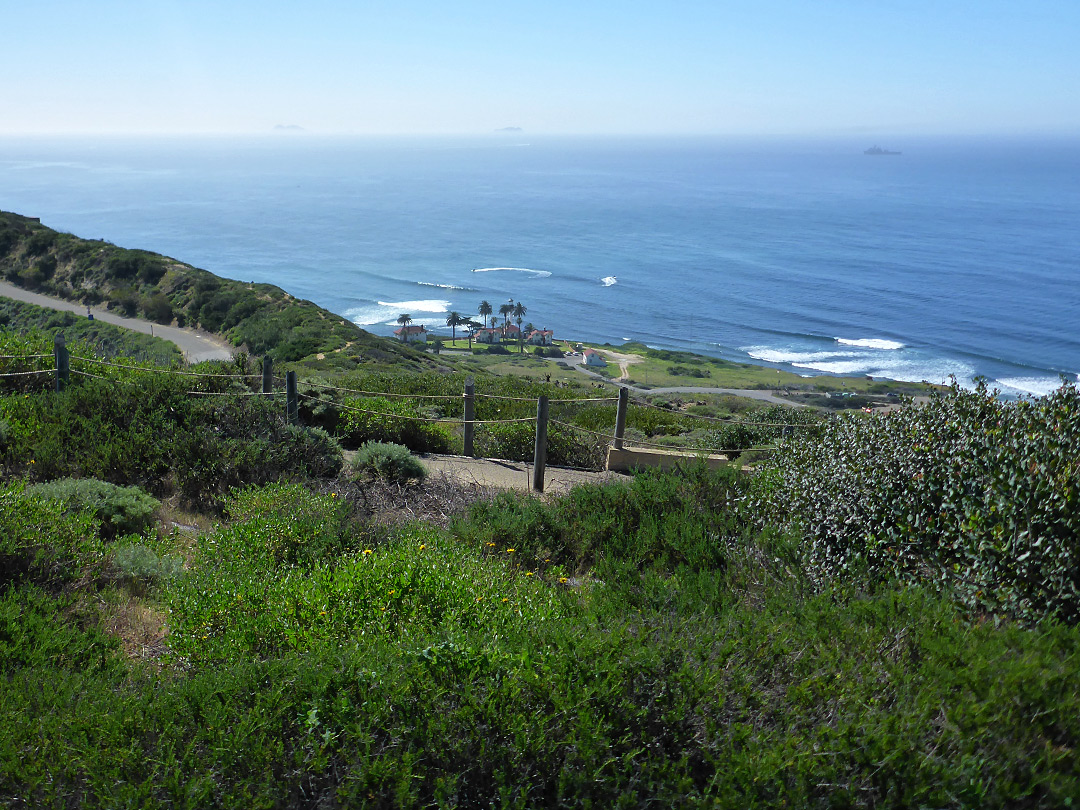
[506,310]
[519,313]
[404,319]
[485,310]
[454,320]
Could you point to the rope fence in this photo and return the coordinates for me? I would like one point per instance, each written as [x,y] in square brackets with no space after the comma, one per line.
[455,397]
[727,420]
[166,370]
[614,439]
[28,373]
[407,417]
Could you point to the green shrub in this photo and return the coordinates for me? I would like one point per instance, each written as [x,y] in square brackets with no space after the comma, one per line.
[393,420]
[387,460]
[137,562]
[973,495]
[5,434]
[43,541]
[661,520]
[151,433]
[120,510]
[516,441]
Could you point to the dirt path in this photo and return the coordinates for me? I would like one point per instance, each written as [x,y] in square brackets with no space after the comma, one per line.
[195,345]
[624,361]
[516,475]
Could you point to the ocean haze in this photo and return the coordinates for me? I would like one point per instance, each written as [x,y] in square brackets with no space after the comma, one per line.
[956,257]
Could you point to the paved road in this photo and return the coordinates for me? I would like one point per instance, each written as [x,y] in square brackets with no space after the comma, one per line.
[195,345]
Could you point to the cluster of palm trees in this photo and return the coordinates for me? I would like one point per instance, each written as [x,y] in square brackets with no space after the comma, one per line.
[511,309]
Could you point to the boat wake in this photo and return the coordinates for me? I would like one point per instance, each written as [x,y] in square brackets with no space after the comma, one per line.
[537,273]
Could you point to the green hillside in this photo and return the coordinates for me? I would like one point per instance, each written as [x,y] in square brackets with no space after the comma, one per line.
[260,318]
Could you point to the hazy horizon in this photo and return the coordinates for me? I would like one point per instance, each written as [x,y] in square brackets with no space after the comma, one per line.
[776,68]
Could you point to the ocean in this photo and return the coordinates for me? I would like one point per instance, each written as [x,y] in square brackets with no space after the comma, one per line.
[956,258]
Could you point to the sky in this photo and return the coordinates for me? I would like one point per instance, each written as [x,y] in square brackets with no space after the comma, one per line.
[739,67]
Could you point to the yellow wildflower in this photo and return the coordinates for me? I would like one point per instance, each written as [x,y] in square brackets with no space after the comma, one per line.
[528,573]
[367,550]
[562,579]
[510,551]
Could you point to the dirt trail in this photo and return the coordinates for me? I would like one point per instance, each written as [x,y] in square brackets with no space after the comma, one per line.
[195,345]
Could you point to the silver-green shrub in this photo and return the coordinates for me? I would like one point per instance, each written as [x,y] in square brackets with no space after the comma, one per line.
[387,460]
[121,510]
[970,493]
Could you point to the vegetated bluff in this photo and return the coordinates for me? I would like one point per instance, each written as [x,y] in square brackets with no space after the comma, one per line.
[261,318]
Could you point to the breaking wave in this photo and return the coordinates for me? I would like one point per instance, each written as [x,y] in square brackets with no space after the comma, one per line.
[871,343]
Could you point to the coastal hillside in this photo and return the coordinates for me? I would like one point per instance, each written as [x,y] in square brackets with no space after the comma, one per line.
[259,318]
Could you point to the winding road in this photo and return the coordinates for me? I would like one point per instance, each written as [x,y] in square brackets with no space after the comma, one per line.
[196,345]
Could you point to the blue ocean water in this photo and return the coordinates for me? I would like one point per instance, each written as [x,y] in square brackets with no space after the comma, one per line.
[958,257]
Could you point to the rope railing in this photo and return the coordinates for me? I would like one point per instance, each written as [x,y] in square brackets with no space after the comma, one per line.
[726,420]
[232,393]
[605,436]
[325,387]
[655,446]
[552,401]
[27,373]
[165,370]
[429,419]
[99,377]
[25,356]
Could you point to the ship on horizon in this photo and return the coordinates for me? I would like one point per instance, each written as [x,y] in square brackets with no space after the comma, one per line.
[877,150]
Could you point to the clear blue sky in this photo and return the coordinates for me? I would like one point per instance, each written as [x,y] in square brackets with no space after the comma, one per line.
[558,66]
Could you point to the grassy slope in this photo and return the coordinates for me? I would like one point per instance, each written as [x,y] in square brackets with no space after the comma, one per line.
[259,317]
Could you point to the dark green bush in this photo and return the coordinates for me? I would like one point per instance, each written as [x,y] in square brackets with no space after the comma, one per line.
[969,493]
[393,420]
[41,540]
[391,461]
[150,432]
[660,520]
[516,441]
[120,510]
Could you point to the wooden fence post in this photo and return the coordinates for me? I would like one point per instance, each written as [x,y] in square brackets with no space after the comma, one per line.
[291,405]
[470,415]
[60,355]
[620,416]
[540,449]
[267,375]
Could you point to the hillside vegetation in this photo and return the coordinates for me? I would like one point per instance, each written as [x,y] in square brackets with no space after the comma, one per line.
[884,615]
[261,318]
